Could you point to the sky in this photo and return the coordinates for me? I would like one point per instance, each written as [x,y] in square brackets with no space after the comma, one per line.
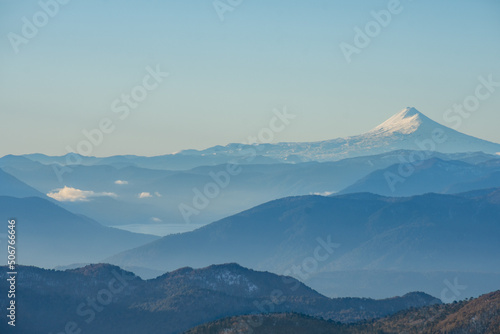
[230,63]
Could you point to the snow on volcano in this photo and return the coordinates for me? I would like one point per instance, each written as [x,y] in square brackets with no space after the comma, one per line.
[409,129]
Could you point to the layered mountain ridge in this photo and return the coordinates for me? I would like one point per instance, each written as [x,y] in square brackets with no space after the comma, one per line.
[408,129]
[106,299]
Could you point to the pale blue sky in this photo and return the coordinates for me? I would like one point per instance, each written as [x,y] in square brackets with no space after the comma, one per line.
[226,77]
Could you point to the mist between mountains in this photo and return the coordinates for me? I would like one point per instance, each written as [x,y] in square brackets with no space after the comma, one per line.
[246,152]
[292,275]
[454,118]
[121,107]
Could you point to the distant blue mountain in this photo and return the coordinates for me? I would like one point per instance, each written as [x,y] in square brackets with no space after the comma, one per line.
[258,183]
[421,234]
[432,175]
[48,235]
[11,186]
[408,129]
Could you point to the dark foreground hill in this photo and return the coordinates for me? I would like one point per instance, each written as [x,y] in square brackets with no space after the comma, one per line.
[277,323]
[481,315]
[106,299]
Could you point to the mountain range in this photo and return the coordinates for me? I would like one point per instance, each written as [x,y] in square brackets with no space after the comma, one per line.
[266,217]
[408,129]
[480,315]
[431,175]
[118,201]
[411,205]
[106,299]
[388,160]
[427,233]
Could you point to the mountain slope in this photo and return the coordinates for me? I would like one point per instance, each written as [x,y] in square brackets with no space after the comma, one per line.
[360,231]
[49,235]
[277,323]
[11,186]
[409,129]
[481,315]
[258,183]
[432,175]
[487,181]
[105,299]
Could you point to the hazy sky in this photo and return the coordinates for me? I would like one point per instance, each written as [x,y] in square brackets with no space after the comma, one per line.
[226,77]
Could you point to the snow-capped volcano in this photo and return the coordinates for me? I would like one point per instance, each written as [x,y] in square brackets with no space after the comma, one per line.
[409,129]
[406,121]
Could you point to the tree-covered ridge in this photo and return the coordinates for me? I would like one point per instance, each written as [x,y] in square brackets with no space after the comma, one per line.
[480,315]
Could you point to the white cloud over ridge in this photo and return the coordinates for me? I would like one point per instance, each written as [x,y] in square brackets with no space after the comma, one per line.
[326,193]
[145,194]
[69,194]
[121,182]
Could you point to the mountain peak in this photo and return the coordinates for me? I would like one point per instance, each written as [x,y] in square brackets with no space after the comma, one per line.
[409,112]
[406,121]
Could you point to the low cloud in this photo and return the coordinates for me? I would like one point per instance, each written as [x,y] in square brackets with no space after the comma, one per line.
[145,194]
[121,182]
[156,219]
[69,194]
[326,193]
